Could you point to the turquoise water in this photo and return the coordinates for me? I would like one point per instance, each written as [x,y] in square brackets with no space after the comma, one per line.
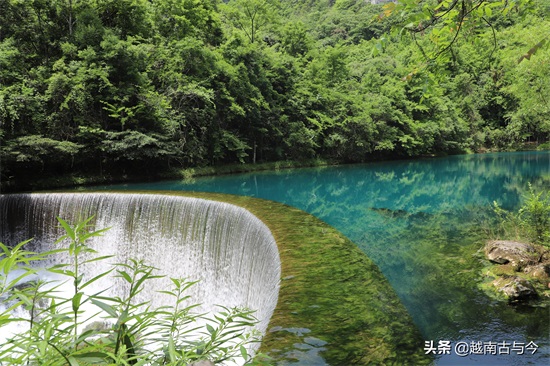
[423,222]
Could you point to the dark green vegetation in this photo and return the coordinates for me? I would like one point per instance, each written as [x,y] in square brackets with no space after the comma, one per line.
[122,88]
[130,332]
[330,292]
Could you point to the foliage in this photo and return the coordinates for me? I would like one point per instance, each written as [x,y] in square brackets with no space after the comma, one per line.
[445,21]
[134,87]
[58,330]
[251,16]
[531,221]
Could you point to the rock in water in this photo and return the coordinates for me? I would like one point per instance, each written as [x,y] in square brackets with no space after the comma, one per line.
[515,288]
[519,255]
[522,273]
[541,271]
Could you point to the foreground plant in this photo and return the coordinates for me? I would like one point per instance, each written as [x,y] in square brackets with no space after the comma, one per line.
[531,221]
[58,331]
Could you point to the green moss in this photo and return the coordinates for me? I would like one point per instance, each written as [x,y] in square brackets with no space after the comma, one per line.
[495,272]
[330,292]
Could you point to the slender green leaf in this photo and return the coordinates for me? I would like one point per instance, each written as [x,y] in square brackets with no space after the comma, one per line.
[76,301]
[106,307]
[92,280]
[68,229]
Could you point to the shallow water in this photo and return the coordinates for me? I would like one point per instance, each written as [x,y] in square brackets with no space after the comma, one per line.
[423,222]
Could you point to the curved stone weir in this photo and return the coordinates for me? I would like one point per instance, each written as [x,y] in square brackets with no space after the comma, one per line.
[229,250]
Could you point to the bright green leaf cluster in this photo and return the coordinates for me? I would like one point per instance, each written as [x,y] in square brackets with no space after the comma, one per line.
[130,332]
[531,221]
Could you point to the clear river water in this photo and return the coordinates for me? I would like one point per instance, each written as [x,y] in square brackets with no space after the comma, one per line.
[424,223]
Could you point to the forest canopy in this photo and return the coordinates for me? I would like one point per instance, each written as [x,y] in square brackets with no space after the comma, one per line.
[125,86]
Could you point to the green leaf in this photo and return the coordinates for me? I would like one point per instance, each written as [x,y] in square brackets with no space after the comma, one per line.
[72,361]
[89,235]
[172,349]
[92,357]
[24,298]
[244,353]
[42,346]
[96,278]
[106,307]
[76,301]
[98,259]
[78,280]
[65,272]
[126,276]
[68,229]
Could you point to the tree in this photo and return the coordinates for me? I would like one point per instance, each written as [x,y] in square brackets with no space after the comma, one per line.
[445,21]
[177,19]
[530,85]
[295,39]
[126,17]
[250,16]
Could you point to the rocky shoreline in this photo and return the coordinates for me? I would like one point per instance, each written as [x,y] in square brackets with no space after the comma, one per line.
[519,272]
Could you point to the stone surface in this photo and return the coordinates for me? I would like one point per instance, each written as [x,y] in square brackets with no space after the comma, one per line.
[521,272]
[541,271]
[519,255]
[515,288]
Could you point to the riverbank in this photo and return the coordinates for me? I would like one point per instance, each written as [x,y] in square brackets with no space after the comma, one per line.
[74,179]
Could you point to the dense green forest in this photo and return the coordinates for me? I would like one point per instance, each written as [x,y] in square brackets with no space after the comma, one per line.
[107,87]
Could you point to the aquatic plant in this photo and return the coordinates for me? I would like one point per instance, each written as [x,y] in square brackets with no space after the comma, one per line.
[63,330]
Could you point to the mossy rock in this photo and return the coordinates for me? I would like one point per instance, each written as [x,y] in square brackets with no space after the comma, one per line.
[515,289]
[519,273]
[519,255]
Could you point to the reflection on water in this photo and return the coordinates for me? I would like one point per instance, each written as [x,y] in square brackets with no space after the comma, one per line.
[423,222]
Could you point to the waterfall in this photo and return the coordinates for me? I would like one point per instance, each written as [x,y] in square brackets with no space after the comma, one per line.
[228,250]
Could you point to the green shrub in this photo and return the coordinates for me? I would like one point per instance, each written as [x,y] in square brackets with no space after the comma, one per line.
[531,222]
[133,334]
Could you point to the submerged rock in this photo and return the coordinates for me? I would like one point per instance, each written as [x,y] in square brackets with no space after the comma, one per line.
[519,255]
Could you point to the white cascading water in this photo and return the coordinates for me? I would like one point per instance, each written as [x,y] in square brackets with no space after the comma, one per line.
[227,249]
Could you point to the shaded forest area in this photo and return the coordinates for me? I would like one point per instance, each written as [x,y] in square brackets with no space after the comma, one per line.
[141,87]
